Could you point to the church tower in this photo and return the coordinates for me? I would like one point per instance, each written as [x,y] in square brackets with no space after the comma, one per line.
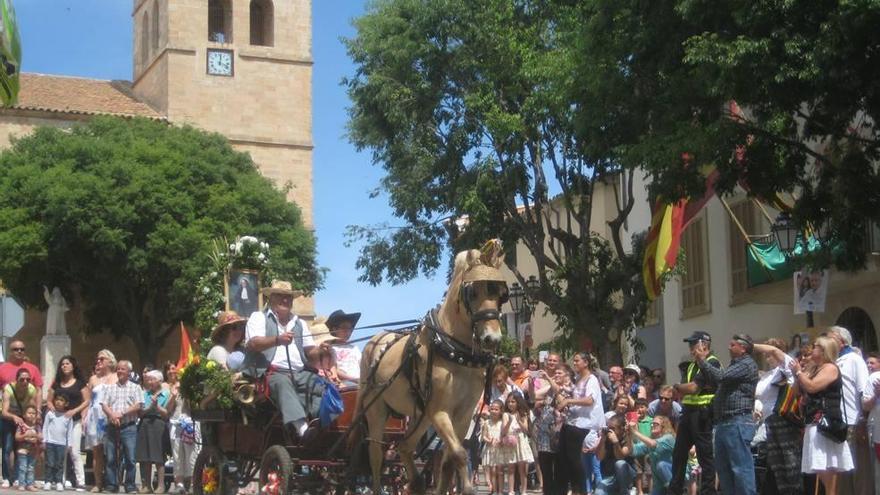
[242,68]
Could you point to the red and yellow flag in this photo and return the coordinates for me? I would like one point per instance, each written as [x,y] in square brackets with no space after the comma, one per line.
[662,243]
[187,355]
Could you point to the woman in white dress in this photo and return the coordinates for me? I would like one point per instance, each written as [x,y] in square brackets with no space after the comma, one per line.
[94,419]
[821,387]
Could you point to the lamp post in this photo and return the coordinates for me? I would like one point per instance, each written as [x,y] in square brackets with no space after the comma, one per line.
[786,233]
[517,299]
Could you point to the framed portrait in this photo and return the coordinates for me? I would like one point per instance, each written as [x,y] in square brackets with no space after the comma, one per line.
[243,292]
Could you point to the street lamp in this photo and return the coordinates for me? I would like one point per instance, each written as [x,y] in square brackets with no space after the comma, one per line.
[786,232]
[517,299]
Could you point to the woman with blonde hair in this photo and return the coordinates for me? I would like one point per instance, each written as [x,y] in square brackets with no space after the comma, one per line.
[821,385]
[94,419]
[658,447]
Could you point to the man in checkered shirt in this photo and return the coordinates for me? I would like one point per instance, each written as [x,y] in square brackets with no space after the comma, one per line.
[122,402]
[732,410]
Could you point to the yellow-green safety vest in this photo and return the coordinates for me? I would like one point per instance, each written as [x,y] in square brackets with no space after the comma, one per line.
[697,399]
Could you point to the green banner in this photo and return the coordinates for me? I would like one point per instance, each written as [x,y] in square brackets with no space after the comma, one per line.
[766,263]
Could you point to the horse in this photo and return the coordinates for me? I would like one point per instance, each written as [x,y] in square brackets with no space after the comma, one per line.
[436,374]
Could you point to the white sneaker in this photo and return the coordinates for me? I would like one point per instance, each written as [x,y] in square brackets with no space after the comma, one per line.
[59,487]
[68,485]
[4,484]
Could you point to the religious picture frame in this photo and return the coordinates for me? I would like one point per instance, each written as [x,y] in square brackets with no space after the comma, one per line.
[242,291]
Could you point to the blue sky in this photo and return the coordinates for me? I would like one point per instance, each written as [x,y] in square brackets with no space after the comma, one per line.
[93,38]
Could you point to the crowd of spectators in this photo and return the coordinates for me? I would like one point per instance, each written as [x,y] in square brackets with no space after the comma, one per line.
[770,419]
[557,426]
[122,418]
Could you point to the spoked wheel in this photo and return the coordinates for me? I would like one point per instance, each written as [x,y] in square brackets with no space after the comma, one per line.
[207,474]
[275,471]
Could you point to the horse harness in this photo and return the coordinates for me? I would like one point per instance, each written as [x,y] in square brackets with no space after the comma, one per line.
[441,344]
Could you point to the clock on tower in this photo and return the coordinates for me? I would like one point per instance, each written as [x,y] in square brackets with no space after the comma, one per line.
[219,62]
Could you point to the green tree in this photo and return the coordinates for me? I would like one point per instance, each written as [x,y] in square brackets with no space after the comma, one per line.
[806,74]
[658,79]
[470,107]
[120,213]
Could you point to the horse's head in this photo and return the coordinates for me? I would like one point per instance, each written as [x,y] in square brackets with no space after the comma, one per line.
[481,291]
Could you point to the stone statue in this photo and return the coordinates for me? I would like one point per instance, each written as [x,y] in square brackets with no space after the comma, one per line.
[55,323]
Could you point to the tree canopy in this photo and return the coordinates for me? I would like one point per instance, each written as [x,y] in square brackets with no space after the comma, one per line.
[468,107]
[489,109]
[121,214]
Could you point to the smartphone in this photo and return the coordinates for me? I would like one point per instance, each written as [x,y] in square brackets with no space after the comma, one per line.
[632,417]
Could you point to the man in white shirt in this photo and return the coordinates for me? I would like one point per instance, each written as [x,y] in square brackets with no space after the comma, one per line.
[279,344]
[854,372]
[871,404]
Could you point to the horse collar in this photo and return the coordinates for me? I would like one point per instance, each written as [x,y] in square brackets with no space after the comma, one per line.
[453,349]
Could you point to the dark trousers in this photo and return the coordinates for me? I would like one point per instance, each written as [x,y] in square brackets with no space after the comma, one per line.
[694,429]
[54,462]
[547,463]
[569,468]
[7,435]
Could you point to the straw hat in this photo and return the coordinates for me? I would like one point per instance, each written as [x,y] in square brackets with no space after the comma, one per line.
[321,333]
[281,287]
[225,321]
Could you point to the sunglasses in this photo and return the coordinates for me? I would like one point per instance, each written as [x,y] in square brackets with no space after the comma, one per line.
[16,349]
[665,399]
[23,380]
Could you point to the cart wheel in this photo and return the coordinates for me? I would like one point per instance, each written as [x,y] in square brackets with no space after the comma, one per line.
[207,477]
[275,471]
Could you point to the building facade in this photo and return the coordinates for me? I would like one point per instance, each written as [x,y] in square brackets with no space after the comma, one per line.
[713,294]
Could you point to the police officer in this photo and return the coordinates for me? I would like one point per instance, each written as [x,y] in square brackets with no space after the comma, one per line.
[695,427]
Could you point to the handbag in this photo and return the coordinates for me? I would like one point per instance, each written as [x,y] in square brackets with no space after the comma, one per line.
[835,429]
[788,404]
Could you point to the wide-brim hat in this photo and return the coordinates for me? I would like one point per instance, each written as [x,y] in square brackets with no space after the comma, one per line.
[282,287]
[225,321]
[321,334]
[633,368]
[340,316]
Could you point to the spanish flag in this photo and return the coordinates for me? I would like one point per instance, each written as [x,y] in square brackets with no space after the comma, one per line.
[662,243]
[187,355]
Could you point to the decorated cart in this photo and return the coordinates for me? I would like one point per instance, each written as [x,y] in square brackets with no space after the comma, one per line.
[242,439]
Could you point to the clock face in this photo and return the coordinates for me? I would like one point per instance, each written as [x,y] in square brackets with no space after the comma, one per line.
[220,62]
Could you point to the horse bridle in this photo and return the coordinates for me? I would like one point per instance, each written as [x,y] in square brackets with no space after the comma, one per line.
[465,292]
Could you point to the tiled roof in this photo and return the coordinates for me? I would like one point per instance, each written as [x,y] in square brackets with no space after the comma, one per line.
[77,95]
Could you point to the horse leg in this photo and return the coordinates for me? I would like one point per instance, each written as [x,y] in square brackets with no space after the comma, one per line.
[447,472]
[455,453]
[376,416]
[407,456]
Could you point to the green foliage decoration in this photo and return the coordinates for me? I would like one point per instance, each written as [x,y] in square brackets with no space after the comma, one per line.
[205,379]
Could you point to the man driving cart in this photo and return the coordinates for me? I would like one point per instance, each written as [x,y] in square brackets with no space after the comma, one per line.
[281,350]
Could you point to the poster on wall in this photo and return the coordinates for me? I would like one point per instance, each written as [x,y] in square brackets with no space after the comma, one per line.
[810,290]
